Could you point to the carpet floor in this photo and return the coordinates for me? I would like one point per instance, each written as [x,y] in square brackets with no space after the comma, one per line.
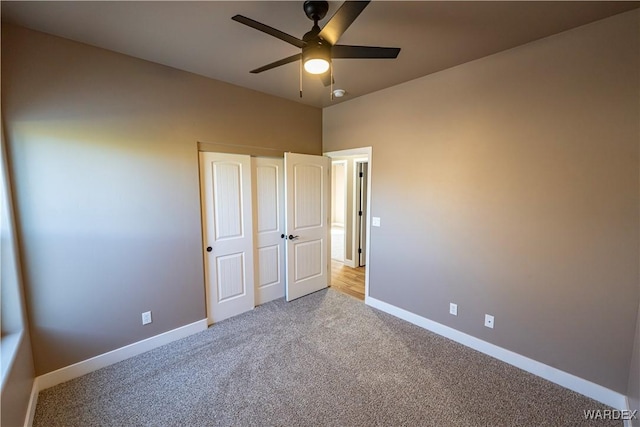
[323,360]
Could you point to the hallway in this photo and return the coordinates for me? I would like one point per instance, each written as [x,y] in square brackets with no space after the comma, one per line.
[347,280]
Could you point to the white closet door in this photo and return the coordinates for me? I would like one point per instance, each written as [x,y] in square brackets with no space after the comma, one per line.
[307,196]
[228,232]
[268,198]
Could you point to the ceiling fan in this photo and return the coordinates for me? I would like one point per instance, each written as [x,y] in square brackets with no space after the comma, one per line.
[319,46]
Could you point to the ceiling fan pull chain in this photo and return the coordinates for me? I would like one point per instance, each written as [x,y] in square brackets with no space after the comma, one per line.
[300,79]
[331,67]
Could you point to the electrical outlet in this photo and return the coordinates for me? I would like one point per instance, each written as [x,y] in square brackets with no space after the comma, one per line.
[488,321]
[453,309]
[146,317]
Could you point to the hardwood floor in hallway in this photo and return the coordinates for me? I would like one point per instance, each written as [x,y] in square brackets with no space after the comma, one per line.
[347,280]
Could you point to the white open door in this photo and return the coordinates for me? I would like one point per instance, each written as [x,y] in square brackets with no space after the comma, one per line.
[268,197]
[228,233]
[307,196]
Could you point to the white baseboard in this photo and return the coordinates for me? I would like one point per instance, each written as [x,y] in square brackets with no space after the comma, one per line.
[627,423]
[349,263]
[564,379]
[81,368]
[103,360]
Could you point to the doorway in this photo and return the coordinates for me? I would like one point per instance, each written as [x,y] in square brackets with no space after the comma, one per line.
[350,199]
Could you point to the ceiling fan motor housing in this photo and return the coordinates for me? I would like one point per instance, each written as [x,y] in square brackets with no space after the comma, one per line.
[317,50]
[316,10]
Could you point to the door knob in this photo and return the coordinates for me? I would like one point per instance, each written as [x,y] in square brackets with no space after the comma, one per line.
[283,236]
[292,237]
[209,248]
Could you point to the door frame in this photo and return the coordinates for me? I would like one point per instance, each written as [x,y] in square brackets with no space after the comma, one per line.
[357,188]
[362,153]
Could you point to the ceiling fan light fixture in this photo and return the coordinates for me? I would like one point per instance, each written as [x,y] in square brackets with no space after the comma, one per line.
[316,65]
[316,58]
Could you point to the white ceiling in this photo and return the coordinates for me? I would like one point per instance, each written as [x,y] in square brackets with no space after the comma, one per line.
[200,37]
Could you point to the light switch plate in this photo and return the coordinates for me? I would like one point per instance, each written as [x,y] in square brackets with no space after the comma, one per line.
[375,221]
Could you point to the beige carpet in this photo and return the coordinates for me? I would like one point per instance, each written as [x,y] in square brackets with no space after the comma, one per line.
[323,360]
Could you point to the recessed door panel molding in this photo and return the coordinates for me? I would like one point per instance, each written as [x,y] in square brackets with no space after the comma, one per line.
[268,197]
[309,256]
[231,276]
[228,193]
[307,200]
[227,234]
[269,263]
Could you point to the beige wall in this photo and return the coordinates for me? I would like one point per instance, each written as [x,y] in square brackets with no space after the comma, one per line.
[104,153]
[634,375]
[633,388]
[509,185]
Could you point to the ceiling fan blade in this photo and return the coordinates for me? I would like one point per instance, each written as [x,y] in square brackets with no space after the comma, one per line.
[371,52]
[341,20]
[326,79]
[287,60]
[270,30]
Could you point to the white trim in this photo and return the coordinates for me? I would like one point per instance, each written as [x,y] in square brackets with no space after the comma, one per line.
[564,379]
[349,263]
[362,151]
[81,368]
[627,423]
[33,402]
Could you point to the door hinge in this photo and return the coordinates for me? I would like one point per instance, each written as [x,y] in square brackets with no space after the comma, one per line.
[359,250]
[359,213]
[361,174]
